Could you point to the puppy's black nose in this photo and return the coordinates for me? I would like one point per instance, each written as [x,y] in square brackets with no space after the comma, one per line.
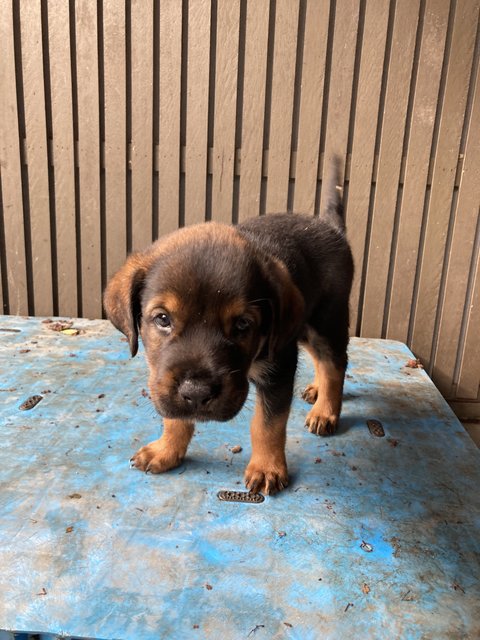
[197,393]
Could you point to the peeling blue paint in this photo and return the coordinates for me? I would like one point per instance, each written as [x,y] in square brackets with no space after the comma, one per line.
[92,549]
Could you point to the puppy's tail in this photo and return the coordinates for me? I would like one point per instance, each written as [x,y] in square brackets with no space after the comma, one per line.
[332,211]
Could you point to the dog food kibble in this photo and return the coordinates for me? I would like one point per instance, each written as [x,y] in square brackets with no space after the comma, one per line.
[236,449]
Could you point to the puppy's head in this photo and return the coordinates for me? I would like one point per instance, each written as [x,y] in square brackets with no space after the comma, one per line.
[206,305]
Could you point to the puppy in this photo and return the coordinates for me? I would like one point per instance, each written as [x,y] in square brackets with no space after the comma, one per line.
[220,306]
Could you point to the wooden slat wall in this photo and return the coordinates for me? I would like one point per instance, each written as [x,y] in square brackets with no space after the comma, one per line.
[88,114]
[281,103]
[15,234]
[115,153]
[392,122]
[225,106]
[65,256]
[170,76]
[121,121]
[253,107]
[37,159]
[418,143]
[141,165]
[311,100]
[364,134]
[197,90]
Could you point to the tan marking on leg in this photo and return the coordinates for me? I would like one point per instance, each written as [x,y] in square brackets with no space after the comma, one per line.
[323,417]
[267,470]
[167,452]
[310,392]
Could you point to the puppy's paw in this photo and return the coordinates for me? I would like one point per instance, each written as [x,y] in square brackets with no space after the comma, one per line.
[321,423]
[156,458]
[310,393]
[266,476]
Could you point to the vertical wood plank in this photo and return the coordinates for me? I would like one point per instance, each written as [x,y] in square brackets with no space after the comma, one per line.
[142,122]
[460,256]
[389,164]
[10,169]
[169,127]
[283,88]
[469,380]
[198,68]
[341,82]
[253,108]
[37,159]
[418,153]
[63,155]
[115,134]
[363,146]
[311,98]
[226,74]
[89,156]
[444,170]
[3,301]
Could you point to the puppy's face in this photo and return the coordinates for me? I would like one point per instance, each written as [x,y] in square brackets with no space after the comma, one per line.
[206,306]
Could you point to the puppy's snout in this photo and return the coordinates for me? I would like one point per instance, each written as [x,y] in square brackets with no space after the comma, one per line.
[197,394]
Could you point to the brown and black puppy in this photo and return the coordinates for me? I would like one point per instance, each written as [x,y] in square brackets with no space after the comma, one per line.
[218,306]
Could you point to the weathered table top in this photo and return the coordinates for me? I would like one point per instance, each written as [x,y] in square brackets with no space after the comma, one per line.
[374,538]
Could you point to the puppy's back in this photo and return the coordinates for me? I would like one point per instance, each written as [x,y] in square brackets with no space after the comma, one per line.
[315,252]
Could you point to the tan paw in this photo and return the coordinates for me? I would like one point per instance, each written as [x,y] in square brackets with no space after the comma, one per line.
[310,393]
[266,476]
[155,458]
[320,423]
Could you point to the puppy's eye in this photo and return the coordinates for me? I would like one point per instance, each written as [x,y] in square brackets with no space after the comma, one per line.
[162,320]
[242,324]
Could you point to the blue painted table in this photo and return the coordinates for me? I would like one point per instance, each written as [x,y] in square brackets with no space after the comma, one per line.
[374,538]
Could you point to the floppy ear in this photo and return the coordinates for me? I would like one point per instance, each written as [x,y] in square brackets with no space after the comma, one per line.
[121,299]
[288,306]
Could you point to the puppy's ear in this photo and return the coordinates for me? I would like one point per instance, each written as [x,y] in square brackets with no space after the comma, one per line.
[287,306]
[121,299]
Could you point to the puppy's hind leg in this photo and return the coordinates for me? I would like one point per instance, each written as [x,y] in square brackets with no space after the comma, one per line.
[325,392]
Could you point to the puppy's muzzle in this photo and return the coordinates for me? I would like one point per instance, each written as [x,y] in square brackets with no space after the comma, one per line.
[197,394]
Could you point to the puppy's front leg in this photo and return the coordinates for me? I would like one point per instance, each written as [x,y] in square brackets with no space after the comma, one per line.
[167,452]
[267,469]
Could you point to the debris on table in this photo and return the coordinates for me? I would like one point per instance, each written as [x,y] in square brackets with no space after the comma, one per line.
[30,402]
[414,363]
[458,587]
[62,326]
[376,428]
